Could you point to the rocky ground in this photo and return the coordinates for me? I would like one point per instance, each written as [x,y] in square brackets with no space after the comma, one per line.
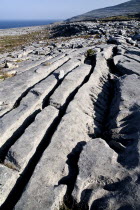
[70,120]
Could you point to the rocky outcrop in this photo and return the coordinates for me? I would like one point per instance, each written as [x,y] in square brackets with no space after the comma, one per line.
[102,182]
[113,32]
[108,178]
[69,128]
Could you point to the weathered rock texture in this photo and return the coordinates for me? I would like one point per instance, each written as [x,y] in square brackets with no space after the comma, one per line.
[72,140]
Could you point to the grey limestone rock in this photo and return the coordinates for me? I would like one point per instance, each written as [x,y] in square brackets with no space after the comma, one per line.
[31,103]
[102,182]
[72,140]
[69,138]
[125,115]
[22,82]
[6,183]
[22,151]
[126,65]
[136,37]
[72,81]
[117,40]
[10,65]
[61,74]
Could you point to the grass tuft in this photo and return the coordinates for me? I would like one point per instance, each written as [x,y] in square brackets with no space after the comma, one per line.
[5,75]
[64,207]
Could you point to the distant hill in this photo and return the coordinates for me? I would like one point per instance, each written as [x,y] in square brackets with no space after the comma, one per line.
[129,8]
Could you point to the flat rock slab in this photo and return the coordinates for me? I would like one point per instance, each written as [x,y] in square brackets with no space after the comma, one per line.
[72,81]
[6,179]
[30,65]
[125,116]
[126,65]
[32,102]
[124,112]
[22,151]
[22,82]
[102,182]
[96,93]
[71,129]
[44,181]
[68,140]
[107,51]
[26,145]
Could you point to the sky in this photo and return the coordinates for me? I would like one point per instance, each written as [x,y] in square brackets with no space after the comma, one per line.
[49,9]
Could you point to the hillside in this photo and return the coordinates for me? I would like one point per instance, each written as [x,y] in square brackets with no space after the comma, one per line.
[128,8]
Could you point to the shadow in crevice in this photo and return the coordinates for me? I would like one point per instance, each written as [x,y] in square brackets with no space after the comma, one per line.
[113,109]
[117,186]
[22,181]
[129,135]
[17,134]
[103,202]
[85,197]
[130,157]
[134,117]
[90,60]
[102,108]
[70,180]
[113,68]
[115,51]
[134,59]
[100,204]
[46,100]
[104,101]
[118,190]
[126,207]
[56,75]
[25,92]
[133,52]
[107,108]
[17,103]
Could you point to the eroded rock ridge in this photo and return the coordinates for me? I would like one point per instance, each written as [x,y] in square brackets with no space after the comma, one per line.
[70,124]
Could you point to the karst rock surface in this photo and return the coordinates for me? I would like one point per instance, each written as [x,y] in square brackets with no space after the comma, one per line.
[70,121]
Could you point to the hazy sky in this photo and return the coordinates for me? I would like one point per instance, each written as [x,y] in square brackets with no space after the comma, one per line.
[49,9]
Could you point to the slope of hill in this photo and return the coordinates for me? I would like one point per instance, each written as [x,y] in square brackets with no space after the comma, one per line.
[128,8]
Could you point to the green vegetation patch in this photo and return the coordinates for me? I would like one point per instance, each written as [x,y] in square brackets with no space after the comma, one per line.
[122,18]
[10,43]
[5,75]
[64,207]
[90,53]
